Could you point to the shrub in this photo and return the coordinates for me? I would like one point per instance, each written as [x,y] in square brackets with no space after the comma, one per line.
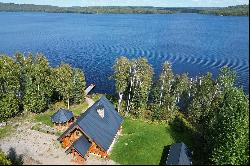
[3,159]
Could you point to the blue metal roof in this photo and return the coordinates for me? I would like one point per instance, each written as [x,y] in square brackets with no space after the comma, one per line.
[62,116]
[101,130]
[178,155]
[82,145]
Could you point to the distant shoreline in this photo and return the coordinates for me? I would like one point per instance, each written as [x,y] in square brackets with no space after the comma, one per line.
[240,10]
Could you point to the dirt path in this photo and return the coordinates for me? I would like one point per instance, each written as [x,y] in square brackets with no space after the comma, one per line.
[36,147]
[89,101]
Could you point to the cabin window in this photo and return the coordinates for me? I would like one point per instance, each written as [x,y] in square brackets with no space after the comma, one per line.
[77,133]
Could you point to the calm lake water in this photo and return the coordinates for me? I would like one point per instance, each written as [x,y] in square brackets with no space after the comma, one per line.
[194,43]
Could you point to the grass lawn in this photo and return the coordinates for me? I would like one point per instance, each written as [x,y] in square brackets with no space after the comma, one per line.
[95,96]
[45,118]
[5,131]
[144,142]
[79,108]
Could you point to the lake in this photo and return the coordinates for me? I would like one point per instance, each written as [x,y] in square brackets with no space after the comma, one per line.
[194,43]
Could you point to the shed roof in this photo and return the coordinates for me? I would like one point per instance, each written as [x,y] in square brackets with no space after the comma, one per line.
[101,130]
[62,116]
[178,155]
[82,145]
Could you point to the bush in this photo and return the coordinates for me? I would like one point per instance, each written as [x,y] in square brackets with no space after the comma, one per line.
[180,124]
[3,159]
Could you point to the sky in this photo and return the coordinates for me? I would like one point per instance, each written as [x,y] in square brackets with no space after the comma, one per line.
[156,3]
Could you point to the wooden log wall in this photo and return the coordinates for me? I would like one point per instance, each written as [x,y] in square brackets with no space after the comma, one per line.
[68,140]
[77,157]
[63,126]
[97,150]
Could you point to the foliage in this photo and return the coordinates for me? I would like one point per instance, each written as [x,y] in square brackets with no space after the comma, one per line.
[9,88]
[231,10]
[3,159]
[167,92]
[231,129]
[63,84]
[78,86]
[163,97]
[37,86]
[121,76]
[140,83]
[28,83]
[219,111]
[238,10]
[133,81]
[85,10]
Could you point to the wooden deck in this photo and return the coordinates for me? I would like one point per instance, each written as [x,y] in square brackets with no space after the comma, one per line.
[89,88]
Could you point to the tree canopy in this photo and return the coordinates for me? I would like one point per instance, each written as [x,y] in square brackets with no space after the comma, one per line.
[28,83]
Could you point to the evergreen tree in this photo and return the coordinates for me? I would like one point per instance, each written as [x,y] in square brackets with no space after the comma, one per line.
[78,85]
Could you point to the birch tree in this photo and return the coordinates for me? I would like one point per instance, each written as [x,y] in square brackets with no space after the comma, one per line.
[141,81]
[121,69]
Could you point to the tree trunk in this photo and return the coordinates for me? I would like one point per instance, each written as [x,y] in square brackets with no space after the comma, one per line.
[120,101]
[68,103]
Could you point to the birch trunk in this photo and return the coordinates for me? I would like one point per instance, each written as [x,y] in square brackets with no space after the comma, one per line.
[120,101]
[68,103]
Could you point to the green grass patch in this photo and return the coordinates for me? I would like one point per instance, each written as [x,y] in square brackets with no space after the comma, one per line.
[79,108]
[5,131]
[144,142]
[96,96]
[45,118]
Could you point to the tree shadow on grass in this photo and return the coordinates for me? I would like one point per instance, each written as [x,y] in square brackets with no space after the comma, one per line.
[181,132]
[164,155]
[14,157]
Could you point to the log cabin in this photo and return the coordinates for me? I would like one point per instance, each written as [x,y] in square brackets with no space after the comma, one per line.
[62,119]
[93,132]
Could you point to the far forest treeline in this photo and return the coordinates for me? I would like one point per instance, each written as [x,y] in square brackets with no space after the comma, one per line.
[234,10]
[216,109]
[239,10]
[29,83]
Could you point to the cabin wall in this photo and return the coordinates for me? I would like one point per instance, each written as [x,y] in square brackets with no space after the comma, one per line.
[63,126]
[97,150]
[77,157]
[68,140]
